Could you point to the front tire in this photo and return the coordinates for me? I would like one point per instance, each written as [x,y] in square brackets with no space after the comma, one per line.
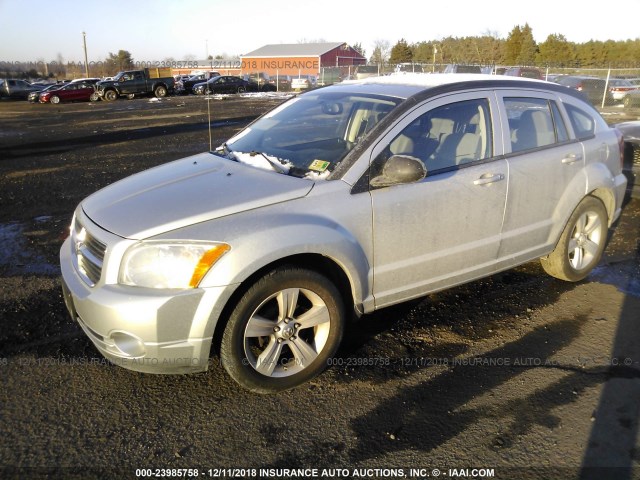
[283,331]
[55,99]
[581,244]
[110,95]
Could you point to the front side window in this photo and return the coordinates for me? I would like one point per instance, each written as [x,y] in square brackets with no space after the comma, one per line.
[531,123]
[444,138]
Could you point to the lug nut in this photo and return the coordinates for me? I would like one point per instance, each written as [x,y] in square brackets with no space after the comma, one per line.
[294,337]
[297,325]
[280,340]
[276,329]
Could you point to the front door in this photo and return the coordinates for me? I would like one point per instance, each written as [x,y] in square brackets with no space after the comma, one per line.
[445,229]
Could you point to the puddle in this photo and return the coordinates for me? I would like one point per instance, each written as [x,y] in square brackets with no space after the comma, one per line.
[625,276]
[17,257]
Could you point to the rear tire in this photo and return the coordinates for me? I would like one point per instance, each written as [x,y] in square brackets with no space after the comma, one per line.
[160,91]
[581,244]
[283,331]
[627,101]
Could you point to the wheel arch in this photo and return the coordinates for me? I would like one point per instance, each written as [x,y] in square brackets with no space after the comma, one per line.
[608,199]
[310,261]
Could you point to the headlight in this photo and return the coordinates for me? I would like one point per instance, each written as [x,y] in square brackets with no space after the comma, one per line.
[169,264]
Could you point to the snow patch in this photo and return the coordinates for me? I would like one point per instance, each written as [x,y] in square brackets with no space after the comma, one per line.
[258,160]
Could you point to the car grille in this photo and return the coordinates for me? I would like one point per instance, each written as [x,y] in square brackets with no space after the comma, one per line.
[89,253]
[636,156]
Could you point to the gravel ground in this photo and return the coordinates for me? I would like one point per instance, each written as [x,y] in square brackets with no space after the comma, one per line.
[519,373]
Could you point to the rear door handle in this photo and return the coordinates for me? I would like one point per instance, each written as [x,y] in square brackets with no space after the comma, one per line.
[572,158]
[488,178]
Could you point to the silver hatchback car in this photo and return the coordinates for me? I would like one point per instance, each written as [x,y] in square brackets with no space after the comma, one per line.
[345,199]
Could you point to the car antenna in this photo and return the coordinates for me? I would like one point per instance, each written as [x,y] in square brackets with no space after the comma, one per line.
[209,117]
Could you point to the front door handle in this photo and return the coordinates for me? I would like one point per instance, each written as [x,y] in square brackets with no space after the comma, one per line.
[572,158]
[489,178]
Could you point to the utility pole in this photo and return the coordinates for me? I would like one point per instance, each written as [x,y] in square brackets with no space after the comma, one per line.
[86,60]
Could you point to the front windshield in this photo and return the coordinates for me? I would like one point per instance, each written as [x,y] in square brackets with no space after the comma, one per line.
[308,135]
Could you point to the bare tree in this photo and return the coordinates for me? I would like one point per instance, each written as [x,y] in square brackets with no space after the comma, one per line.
[381,51]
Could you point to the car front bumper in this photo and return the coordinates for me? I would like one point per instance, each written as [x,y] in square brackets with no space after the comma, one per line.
[141,329]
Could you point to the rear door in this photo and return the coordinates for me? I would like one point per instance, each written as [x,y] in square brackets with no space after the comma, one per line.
[446,228]
[546,177]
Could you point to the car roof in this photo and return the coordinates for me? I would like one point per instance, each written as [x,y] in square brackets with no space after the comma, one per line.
[409,84]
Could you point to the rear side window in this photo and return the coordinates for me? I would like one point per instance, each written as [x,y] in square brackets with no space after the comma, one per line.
[534,123]
[582,123]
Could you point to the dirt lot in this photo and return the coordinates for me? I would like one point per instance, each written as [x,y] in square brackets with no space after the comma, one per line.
[519,374]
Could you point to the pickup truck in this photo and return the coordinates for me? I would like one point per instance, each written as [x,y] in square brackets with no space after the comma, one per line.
[156,81]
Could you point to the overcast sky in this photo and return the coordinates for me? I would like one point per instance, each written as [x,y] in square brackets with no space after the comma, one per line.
[158,29]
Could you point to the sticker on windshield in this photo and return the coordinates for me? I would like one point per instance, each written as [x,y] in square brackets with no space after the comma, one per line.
[319,165]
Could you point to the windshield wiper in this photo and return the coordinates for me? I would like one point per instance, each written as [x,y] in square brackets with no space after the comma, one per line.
[277,166]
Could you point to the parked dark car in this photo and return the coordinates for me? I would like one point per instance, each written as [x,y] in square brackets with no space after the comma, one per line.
[526,72]
[593,87]
[261,78]
[632,99]
[631,163]
[225,84]
[71,92]
[281,82]
[16,88]
[192,81]
[454,68]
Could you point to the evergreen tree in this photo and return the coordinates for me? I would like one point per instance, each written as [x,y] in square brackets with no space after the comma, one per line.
[401,53]
[556,51]
[528,47]
[513,46]
[119,61]
[358,48]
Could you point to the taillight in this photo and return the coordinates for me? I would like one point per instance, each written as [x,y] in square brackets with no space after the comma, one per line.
[621,146]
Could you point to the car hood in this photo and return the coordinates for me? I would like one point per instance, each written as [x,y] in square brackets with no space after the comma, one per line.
[188,191]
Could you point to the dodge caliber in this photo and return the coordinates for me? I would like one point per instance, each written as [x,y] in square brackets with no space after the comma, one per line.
[340,201]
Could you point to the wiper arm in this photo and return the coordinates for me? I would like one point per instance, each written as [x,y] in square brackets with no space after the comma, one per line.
[224,151]
[277,166]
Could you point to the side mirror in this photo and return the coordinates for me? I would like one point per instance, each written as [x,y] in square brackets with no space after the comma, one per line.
[400,169]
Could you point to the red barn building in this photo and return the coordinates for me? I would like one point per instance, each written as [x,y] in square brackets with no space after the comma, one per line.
[300,58]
